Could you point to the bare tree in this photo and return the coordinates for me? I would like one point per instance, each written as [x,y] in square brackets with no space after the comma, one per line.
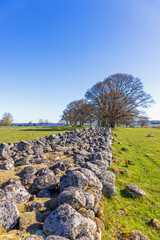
[143,120]
[118,97]
[7,119]
[46,122]
[41,122]
[79,111]
[30,123]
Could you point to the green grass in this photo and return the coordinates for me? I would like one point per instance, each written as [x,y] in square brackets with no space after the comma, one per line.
[14,134]
[123,213]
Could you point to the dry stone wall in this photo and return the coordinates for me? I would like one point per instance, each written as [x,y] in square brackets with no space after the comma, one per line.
[61,179]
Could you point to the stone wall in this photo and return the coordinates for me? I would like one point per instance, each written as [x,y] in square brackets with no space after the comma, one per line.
[59,181]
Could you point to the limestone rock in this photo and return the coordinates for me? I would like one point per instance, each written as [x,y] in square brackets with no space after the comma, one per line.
[16,193]
[44,194]
[134,190]
[53,237]
[62,165]
[67,222]
[45,171]
[7,164]
[47,181]
[5,152]
[74,179]
[155,223]
[93,180]
[131,235]
[109,189]
[28,170]
[22,161]
[23,146]
[74,196]
[9,214]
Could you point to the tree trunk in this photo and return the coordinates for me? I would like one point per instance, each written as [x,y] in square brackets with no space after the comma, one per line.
[112,125]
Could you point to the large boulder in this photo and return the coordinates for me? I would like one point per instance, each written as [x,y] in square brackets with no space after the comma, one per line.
[7,164]
[22,161]
[93,180]
[27,179]
[16,193]
[44,194]
[28,170]
[23,146]
[73,179]
[134,190]
[48,181]
[9,214]
[74,196]
[67,222]
[108,189]
[5,152]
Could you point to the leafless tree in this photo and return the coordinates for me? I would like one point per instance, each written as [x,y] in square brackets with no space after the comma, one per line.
[30,123]
[41,122]
[46,122]
[118,97]
[143,120]
[79,111]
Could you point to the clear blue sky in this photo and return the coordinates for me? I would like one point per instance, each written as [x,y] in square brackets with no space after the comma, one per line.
[52,51]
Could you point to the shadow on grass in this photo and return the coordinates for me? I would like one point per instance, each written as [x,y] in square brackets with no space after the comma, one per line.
[125,194]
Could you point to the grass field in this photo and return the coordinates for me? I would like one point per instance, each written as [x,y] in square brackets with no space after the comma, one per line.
[123,213]
[14,134]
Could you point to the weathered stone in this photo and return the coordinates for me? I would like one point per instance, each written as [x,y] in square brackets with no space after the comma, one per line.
[28,170]
[9,214]
[155,223]
[30,151]
[103,174]
[44,194]
[22,161]
[13,181]
[5,152]
[16,193]
[90,200]
[73,179]
[74,196]
[131,235]
[67,222]
[45,171]
[93,180]
[7,164]
[53,237]
[97,195]
[47,181]
[134,190]
[109,189]
[62,165]
[23,146]
[27,179]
